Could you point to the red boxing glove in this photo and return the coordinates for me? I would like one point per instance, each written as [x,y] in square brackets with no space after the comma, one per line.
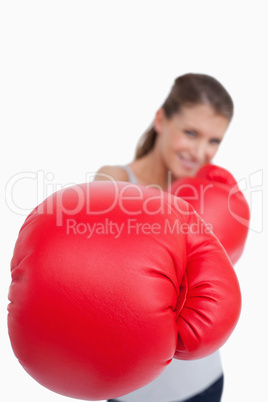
[109,282]
[216,197]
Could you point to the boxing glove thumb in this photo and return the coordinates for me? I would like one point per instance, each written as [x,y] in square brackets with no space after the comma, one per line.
[216,197]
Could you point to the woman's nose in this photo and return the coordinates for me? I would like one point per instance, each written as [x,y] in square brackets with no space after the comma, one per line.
[201,151]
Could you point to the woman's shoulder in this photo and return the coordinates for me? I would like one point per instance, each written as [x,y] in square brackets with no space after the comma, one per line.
[111,172]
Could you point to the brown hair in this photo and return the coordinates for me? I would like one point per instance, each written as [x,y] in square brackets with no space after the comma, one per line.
[189,89]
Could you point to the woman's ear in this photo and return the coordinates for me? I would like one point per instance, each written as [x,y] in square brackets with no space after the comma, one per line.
[159,120]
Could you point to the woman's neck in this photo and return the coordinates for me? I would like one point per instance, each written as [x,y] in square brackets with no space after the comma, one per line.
[150,170]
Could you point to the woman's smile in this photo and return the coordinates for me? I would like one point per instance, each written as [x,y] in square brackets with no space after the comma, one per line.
[188,163]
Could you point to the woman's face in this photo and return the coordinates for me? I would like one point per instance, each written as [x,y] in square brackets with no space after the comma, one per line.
[189,139]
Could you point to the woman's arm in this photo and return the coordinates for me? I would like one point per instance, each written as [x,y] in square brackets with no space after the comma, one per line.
[108,172]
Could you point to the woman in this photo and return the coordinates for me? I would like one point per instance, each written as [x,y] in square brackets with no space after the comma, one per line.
[186,134]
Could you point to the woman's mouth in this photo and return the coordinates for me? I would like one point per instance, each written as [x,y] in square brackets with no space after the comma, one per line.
[189,163]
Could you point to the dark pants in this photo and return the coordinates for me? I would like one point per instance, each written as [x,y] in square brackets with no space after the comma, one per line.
[211,394]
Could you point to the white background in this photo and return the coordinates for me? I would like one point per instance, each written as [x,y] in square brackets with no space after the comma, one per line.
[81,80]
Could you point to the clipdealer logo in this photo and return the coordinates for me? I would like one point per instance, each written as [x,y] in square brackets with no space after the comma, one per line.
[41,184]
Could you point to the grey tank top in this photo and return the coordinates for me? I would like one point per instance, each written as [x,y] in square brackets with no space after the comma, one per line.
[131,176]
[181,379]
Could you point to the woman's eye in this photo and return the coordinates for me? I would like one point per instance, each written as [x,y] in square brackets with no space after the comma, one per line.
[190,133]
[215,141]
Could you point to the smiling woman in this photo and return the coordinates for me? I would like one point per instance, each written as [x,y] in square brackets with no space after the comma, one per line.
[185,135]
